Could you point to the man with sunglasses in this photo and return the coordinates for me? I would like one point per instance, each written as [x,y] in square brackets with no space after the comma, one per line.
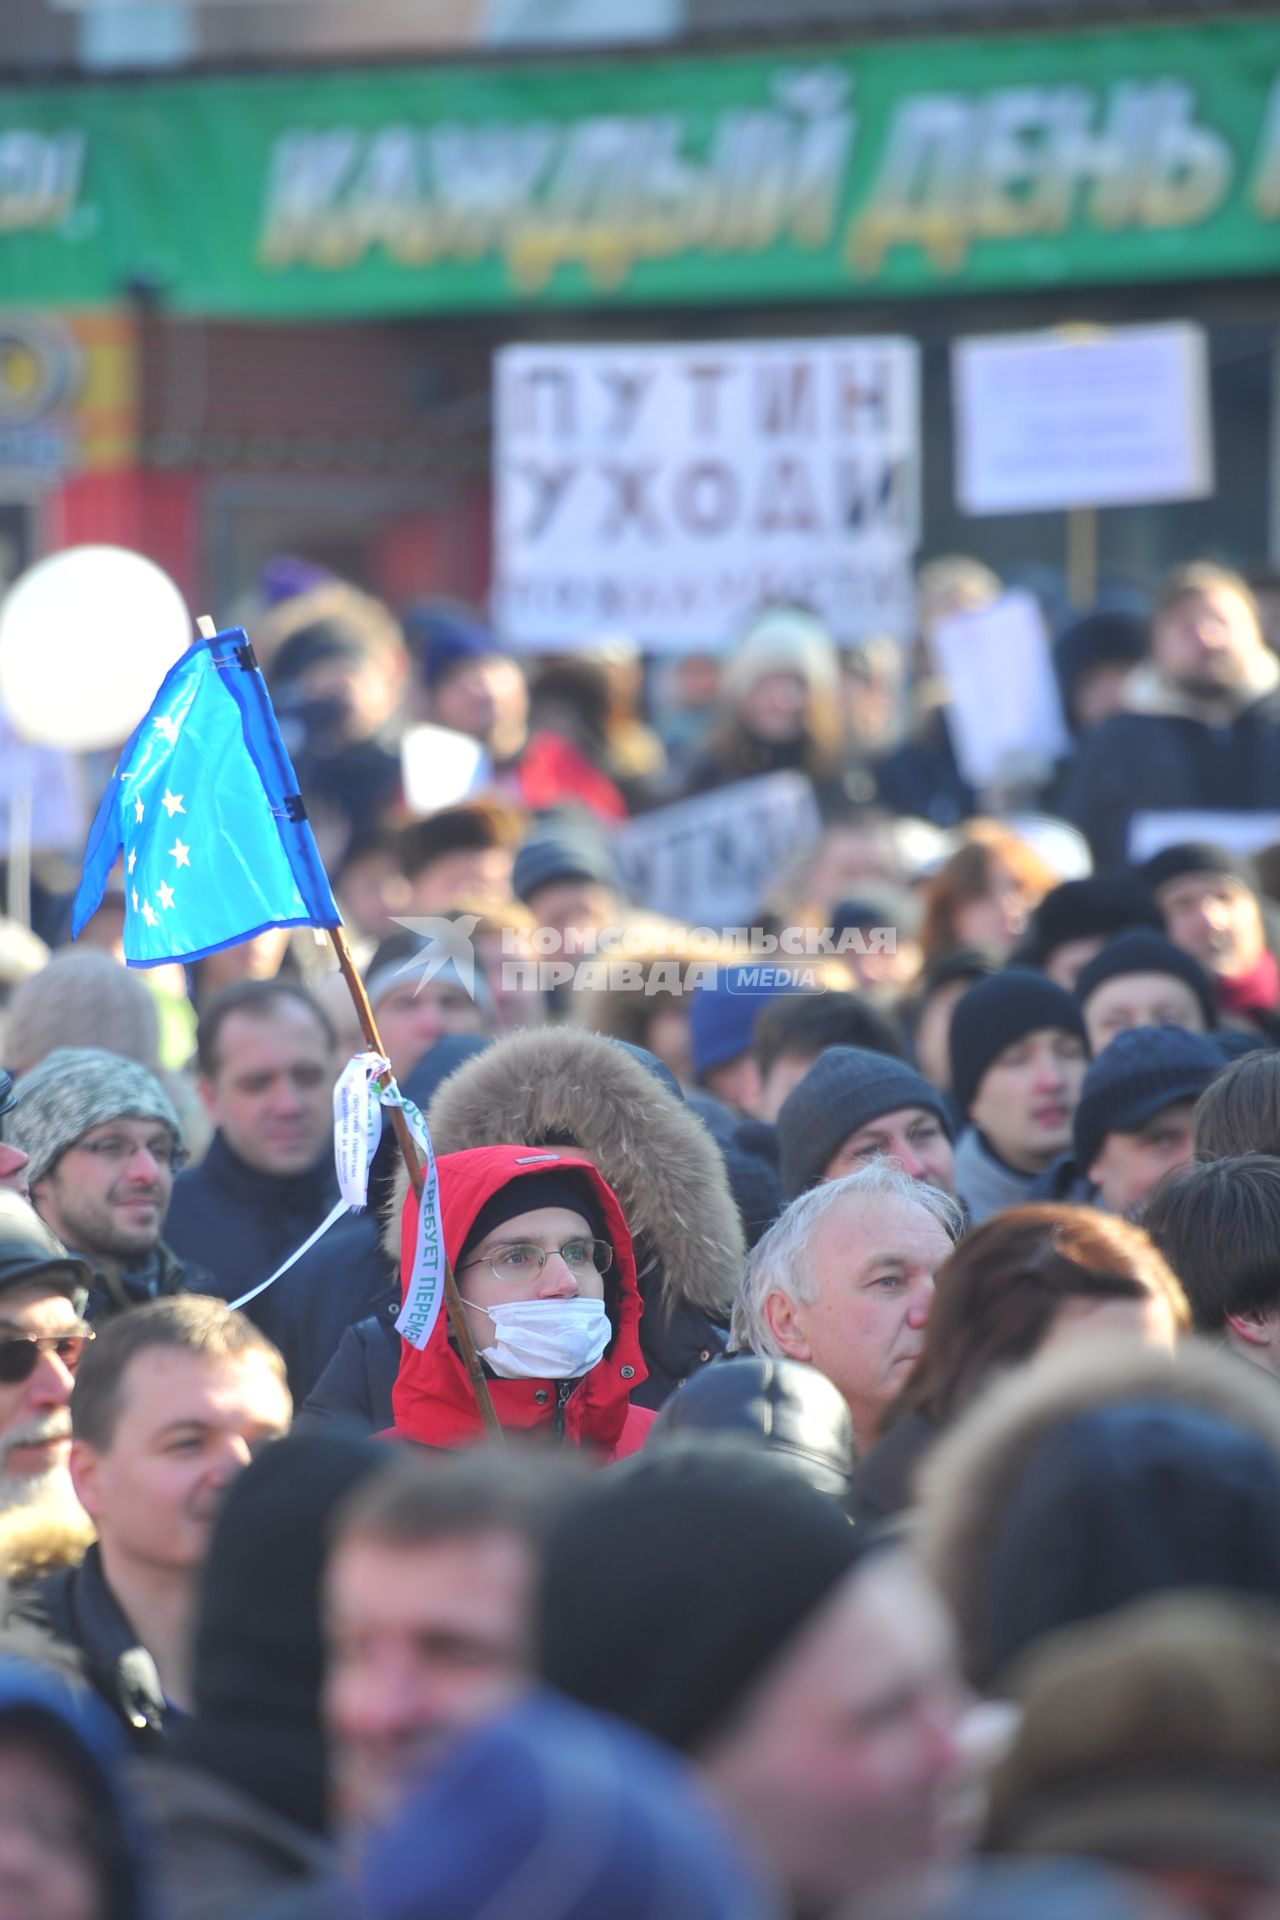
[103,1142]
[42,1337]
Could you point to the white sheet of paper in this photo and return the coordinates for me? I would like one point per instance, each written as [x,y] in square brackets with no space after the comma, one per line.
[1004,695]
[441,767]
[1151,833]
[1116,417]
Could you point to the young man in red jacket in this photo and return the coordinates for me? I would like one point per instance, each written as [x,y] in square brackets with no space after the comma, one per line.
[545,1268]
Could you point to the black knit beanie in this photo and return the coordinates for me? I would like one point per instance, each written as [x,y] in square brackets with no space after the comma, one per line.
[1197,856]
[1096,908]
[557,1187]
[1143,952]
[259,1661]
[671,1585]
[845,1089]
[998,1012]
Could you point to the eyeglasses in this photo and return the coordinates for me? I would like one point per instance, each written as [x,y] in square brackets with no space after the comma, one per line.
[117,1149]
[20,1351]
[522,1260]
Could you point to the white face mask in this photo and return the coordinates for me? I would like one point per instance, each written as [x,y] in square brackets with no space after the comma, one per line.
[546,1339]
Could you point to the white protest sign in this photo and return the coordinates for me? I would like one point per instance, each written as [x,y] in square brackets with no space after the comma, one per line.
[440,766]
[1106,418]
[672,490]
[1151,832]
[707,862]
[1005,707]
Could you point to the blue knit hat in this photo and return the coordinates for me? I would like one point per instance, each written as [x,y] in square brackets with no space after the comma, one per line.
[551,1811]
[844,1090]
[445,637]
[1142,1070]
[723,1013]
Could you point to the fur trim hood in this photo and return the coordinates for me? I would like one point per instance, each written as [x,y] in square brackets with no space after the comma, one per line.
[561,1086]
[969,1479]
[1146,691]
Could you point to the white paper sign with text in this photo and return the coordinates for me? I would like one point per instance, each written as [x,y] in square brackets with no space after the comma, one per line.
[1004,707]
[1050,421]
[669,491]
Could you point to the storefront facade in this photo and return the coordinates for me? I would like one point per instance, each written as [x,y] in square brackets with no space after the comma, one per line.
[305,274]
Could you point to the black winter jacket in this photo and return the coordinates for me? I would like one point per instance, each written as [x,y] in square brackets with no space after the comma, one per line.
[1154,762]
[76,1608]
[355,1389]
[243,1224]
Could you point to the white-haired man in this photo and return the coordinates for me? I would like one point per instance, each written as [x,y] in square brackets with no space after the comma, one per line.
[844,1280]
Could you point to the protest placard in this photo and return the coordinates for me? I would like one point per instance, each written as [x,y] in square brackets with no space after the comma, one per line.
[1004,703]
[1151,832]
[439,767]
[671,490]
[1082,418]
[707,862]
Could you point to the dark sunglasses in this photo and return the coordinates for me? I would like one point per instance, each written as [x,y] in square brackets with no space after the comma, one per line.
[20,1351]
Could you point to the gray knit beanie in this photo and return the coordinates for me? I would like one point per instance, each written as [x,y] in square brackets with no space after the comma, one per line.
[844,1090]
[75,1089]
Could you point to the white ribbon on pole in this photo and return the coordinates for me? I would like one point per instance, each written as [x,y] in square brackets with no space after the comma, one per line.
[359,1105]
[357,1125]
[424,1294]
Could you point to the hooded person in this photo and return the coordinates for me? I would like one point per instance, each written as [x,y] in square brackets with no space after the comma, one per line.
[1094,1478]
[544,1264]
[561,1087]
[72,1849]
[239,1803]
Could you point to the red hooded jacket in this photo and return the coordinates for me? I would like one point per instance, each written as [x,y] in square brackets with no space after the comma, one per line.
[433,1400]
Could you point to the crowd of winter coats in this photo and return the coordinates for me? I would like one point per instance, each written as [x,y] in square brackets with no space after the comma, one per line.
[845,1481]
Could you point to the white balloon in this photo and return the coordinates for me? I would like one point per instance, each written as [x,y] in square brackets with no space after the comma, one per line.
[86,637]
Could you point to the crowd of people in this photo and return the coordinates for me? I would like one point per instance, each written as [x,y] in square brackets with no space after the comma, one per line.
[847,1486]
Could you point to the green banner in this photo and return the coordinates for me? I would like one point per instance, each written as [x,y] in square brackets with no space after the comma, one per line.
[923,167]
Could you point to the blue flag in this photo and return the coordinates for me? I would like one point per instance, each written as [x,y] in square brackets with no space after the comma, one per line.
[204,808]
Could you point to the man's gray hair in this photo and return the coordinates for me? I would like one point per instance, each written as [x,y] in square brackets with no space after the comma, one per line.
[781,1262]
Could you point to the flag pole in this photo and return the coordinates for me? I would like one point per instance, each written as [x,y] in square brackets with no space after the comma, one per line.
[408,1151]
